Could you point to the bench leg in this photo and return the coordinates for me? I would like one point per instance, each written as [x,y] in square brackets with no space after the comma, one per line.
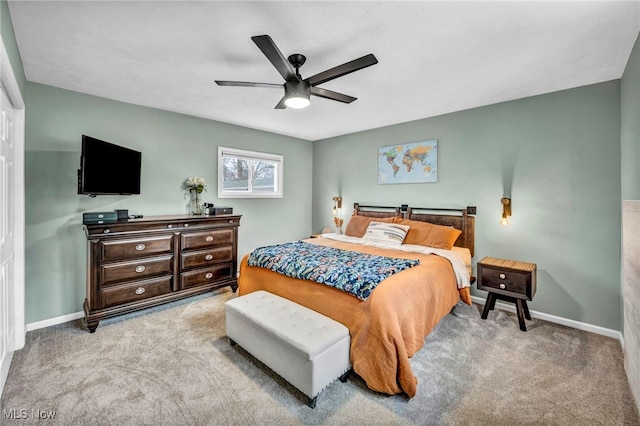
[312,402]
[232,342]
[345,376]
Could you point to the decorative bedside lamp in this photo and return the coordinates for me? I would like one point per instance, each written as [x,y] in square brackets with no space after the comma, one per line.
[337,213]
[506,211]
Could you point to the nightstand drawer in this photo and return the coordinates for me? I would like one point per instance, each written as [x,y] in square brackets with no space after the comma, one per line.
[508,281]
[508,278]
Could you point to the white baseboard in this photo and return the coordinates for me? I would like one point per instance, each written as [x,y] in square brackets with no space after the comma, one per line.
[479,300]
[54,321]
[559,320]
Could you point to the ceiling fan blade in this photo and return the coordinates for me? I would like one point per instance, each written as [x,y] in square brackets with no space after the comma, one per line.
[330,94]
[274,55]
[281,104]
[247,84]
[340,70]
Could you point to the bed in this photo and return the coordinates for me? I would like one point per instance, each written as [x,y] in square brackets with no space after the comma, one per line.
[391,324]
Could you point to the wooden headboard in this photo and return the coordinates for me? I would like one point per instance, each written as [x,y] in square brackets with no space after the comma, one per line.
[376,211]
[461,219]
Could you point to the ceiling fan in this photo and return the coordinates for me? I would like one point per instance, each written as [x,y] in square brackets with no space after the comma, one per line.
[296,90]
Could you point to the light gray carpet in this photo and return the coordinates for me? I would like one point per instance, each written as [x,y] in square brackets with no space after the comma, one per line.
[174,366]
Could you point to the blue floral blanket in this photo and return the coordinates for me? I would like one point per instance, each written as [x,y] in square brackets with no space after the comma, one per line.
[353,272]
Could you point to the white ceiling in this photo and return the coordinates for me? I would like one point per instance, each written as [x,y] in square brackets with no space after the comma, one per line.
[434,57]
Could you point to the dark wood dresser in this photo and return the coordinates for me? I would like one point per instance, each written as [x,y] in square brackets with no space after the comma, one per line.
[140,263]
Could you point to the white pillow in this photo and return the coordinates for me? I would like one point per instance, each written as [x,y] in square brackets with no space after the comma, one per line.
[387,233]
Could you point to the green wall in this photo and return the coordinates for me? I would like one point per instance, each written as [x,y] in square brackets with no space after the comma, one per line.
[173,148]
[556,155]
[630,126]
[9,40]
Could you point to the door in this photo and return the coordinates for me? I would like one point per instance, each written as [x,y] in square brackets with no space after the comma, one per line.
[7,254]
[12,327]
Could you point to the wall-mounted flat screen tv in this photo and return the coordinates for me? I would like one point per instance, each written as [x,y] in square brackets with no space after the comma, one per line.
[108,169]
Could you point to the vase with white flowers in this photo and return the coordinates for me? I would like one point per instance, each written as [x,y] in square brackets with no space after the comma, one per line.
[194,187]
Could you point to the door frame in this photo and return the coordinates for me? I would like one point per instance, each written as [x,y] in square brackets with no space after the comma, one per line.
[11,88]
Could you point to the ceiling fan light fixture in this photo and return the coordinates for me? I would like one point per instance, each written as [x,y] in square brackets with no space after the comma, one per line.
[297,102]
[297,94]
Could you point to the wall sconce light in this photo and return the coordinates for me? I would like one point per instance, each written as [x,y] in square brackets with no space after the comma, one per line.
[337,213]
[506,211]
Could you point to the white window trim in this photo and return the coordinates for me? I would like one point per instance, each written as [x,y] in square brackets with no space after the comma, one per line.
[251,155]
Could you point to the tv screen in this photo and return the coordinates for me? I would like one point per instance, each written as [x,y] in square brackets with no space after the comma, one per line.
[108,169]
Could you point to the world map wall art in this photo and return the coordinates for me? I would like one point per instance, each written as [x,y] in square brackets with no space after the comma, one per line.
[415,162]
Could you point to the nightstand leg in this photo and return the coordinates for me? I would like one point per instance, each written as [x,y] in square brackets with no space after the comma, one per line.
[525,308]
[523,326]
[488,305]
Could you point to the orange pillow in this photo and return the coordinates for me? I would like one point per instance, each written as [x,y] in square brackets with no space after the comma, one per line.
[429,234]
[357,225]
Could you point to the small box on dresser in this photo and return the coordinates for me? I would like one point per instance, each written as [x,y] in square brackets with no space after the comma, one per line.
[137,264]
[508,280]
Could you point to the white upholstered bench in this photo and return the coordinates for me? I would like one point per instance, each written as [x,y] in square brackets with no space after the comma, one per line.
[304,347]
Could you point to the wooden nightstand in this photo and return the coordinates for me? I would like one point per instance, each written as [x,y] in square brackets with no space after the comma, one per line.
[508,280]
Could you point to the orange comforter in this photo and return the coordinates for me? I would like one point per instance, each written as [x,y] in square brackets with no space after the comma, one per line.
[387,328]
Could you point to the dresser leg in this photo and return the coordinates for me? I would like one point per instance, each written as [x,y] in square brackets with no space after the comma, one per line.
[345,376]
[519,303]
[92,325]
[488,305]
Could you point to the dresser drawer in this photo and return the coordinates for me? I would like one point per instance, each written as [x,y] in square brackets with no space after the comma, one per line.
[127,271]
[133,292]
[127,249]
[204,239]
[198,259]
[206,275]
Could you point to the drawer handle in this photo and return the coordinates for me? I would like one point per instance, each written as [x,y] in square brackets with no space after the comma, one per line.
[169,226]
[140,290]
[140,268]
[209,238]
[502,286]
[208,257]
[208,275]
[106,231]
[231,221]
[140,247]
[186,225]
[502,276]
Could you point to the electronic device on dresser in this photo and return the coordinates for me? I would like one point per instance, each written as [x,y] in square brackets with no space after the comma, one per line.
[108,169]
[98,218]
[146,262]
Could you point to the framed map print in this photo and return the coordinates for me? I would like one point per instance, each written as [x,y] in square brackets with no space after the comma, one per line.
[415,162]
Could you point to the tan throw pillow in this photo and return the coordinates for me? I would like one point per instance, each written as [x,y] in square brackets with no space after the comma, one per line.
[357,225]
[387,233]
[429,234]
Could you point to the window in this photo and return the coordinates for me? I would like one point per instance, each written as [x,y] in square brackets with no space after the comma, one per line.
[248,174]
